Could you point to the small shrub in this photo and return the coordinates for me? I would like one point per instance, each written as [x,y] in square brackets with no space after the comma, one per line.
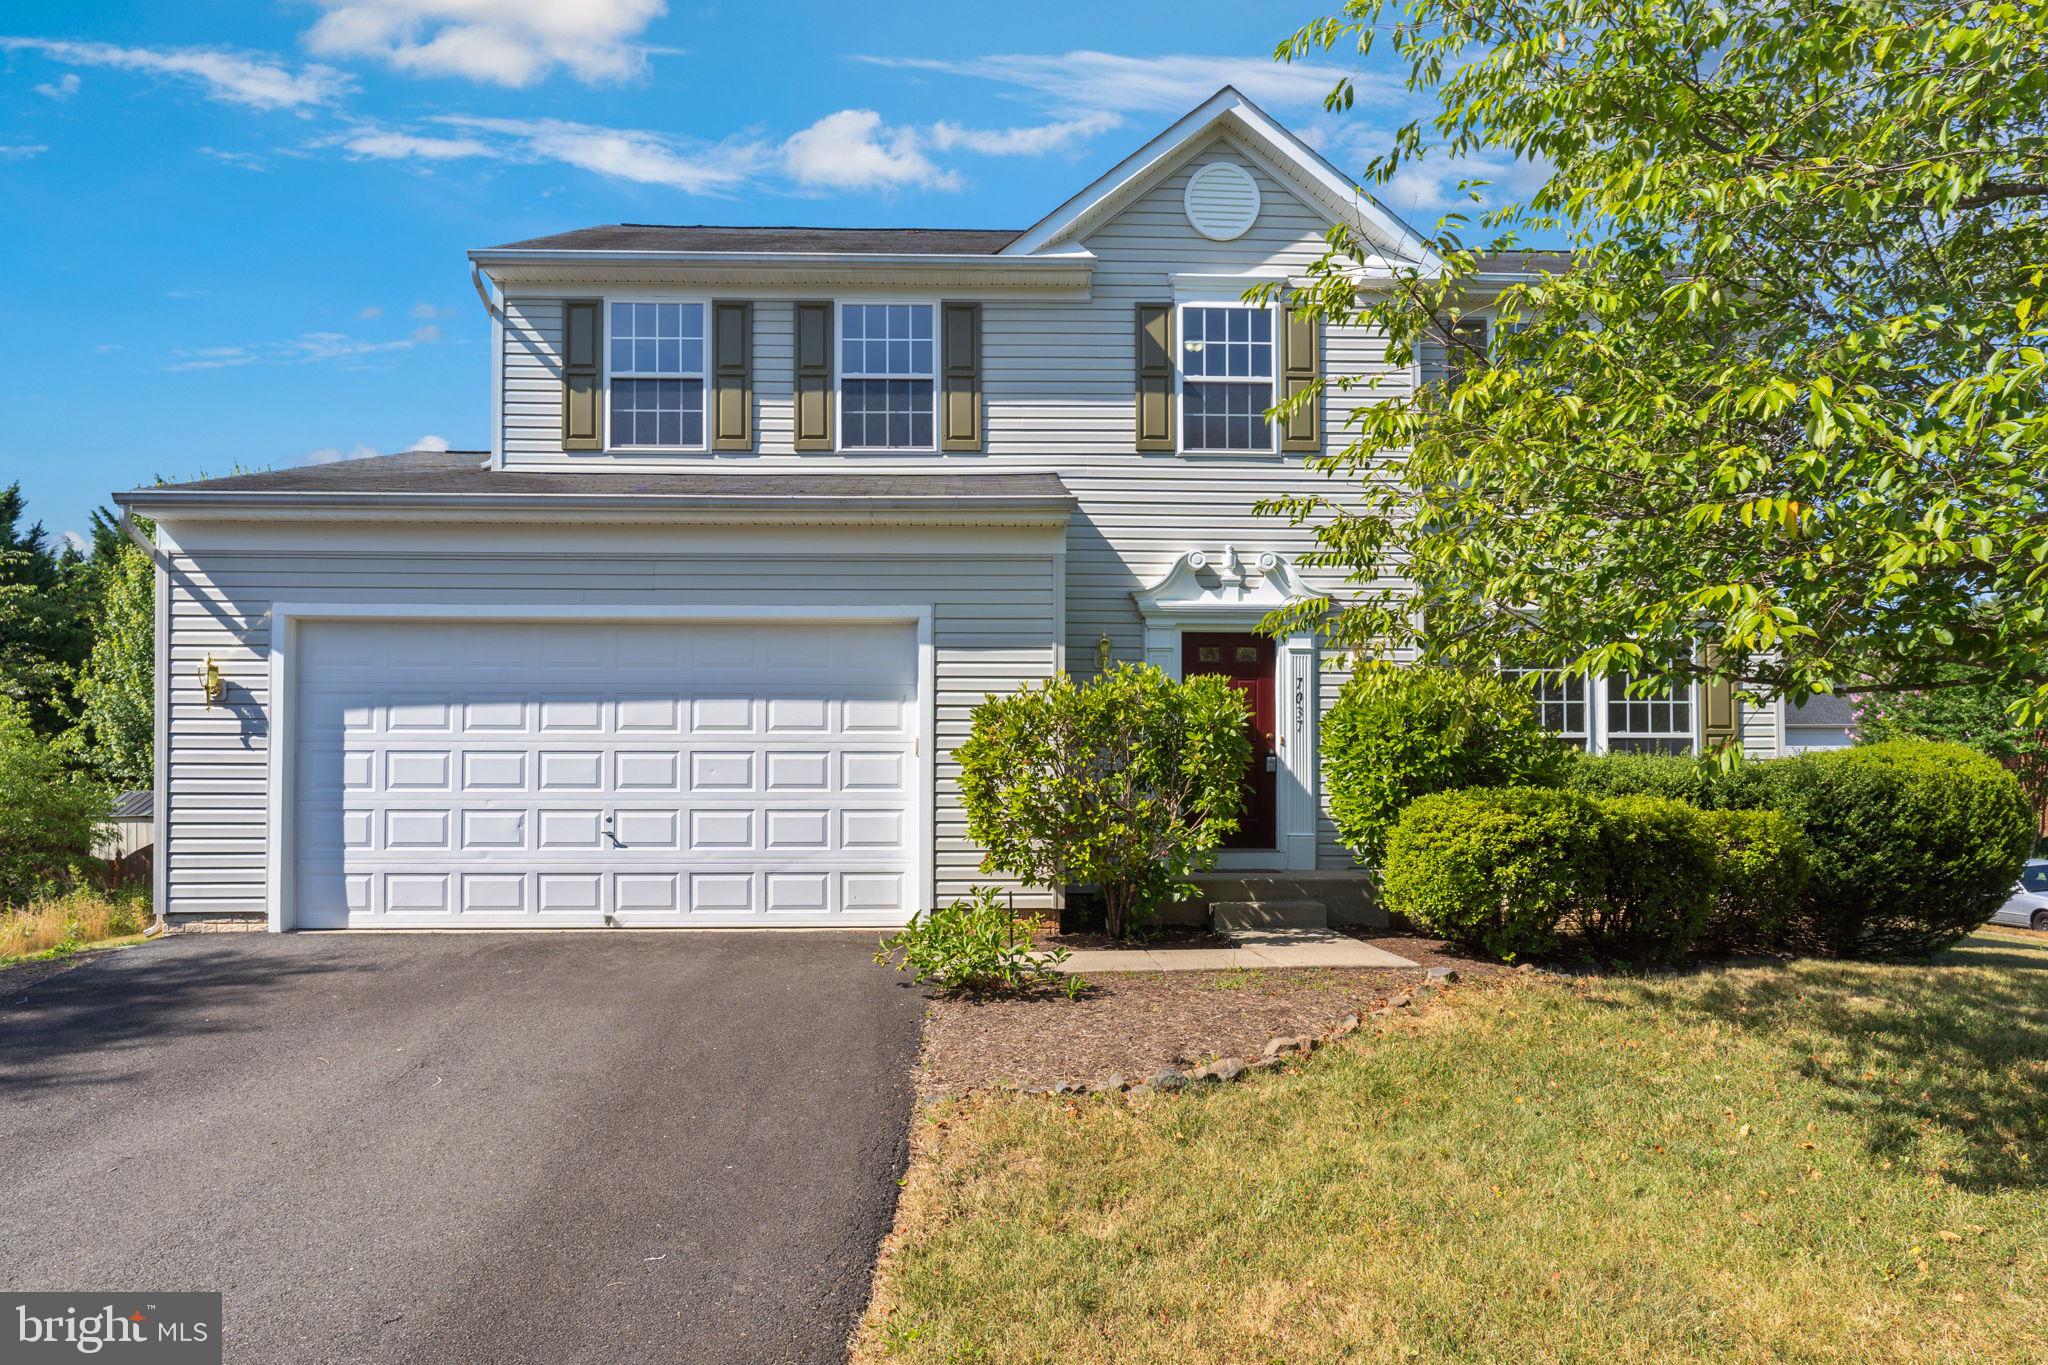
[1127,782]
[1762,859]
[48,820]
[1395,734]
[1657,883]
[1912,844]
[1673,776]
[1498,870]
[974,945]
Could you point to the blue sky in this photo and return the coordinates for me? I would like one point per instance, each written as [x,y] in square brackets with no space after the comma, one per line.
[233,233]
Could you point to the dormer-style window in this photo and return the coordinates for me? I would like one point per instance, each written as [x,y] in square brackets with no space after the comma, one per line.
[657,376]
[886,384]
[1226,366]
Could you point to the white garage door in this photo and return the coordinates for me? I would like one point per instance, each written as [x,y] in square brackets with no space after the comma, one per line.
[492,774]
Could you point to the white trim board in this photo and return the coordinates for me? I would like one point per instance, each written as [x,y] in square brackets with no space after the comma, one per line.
[287,617]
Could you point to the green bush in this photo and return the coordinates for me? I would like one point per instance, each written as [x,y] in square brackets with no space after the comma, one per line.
[1657,880]
[975,945]
[1395,734]
[48,821]
[1762,866]
[1496,869]
[1127,781]
[1673,776]
[1912,844]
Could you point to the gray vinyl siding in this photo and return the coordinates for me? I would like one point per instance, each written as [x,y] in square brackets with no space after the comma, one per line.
[993,620]
[1057,379]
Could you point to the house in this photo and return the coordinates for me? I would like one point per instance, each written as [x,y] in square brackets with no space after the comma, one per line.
[766,512]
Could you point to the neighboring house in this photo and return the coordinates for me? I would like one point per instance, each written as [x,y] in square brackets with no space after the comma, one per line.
[128,840]
[767,512]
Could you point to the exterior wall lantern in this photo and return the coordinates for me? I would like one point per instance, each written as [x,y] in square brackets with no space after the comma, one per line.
[210,682]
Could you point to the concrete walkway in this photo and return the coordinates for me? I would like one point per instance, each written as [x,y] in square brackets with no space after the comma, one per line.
[1252,948]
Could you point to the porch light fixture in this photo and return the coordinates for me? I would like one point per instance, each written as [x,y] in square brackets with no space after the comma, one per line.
[210,683]
[1102,653]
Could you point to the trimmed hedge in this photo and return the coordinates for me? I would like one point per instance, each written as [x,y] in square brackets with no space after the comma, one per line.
[1761,873]
[1499,870]
[1659,870]
[1398,733]
[1913,844]
[1670,776]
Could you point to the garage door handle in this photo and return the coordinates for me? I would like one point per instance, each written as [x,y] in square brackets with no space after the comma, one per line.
[608,831]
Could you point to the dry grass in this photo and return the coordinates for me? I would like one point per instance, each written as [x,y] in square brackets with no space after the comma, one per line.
[1814,1161]
[64,924]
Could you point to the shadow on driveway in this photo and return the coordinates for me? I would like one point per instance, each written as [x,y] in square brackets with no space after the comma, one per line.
[435,1147]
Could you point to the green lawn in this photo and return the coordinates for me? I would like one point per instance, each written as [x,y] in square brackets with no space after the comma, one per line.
[1817,1161]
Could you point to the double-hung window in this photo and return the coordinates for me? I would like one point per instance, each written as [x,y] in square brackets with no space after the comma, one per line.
[1657,723]
[1226,382]
[1599,716]
[886,384]
[1560,700]
[657,375]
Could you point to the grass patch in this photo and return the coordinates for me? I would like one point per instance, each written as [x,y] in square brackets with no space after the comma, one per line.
[1815,1161]
[62,925]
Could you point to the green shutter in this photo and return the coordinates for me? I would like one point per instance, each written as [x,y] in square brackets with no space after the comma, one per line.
[814,376]
[960,392]
[1719,721]
[1155,376]
[582,373]
[1300,366]
[732,376]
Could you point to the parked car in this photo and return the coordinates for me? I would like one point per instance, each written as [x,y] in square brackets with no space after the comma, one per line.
[2027,906]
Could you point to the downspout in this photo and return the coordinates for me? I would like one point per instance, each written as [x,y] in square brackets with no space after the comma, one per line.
[160,667]
[497,312]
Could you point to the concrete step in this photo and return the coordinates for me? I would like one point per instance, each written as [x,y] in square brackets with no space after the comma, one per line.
[1273,914]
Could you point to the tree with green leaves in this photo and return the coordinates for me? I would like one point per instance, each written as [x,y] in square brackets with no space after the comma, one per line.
[116,731]
[46,599]
[1982,718]
[1778,418]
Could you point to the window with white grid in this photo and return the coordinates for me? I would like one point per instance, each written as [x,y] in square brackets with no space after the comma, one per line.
[885,376]
[1659,722]
[657,375]
[1226,366]
[1560,700]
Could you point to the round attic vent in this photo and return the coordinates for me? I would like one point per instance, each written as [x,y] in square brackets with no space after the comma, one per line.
[1222,201]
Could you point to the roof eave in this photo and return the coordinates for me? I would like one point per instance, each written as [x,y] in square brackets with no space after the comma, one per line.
[979,508]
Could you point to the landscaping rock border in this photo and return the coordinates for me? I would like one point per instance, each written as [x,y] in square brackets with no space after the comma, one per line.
[1277,1053]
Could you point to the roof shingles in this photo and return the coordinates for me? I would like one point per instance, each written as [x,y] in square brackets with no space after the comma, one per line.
[774,240]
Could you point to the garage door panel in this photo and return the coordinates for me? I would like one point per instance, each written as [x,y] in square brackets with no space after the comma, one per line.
[507,773]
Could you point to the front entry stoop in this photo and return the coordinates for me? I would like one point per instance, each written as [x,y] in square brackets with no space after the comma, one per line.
[1299,914]
[1284,900]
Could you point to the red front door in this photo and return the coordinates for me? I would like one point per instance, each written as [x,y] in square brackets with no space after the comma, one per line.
[1247,660]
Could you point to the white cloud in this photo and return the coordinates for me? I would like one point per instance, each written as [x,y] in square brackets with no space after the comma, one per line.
[307,348]
[106,348]
[22,151]
[854,150]
[1046,137]
[77,542]
[259,82]
[426,312]
[503,42]
[329,454]
[621,153]
[1109,81]
[1430,185]
[63,88]
[248,161]
[382,145]
[369,313]
[433,443]
[430,332]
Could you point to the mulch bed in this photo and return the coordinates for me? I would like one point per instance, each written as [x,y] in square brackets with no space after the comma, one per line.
[1132,1024]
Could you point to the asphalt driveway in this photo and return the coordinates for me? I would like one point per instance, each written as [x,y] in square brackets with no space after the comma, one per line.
[454,1147]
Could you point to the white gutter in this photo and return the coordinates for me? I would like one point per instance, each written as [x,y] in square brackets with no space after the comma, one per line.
[893,260]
